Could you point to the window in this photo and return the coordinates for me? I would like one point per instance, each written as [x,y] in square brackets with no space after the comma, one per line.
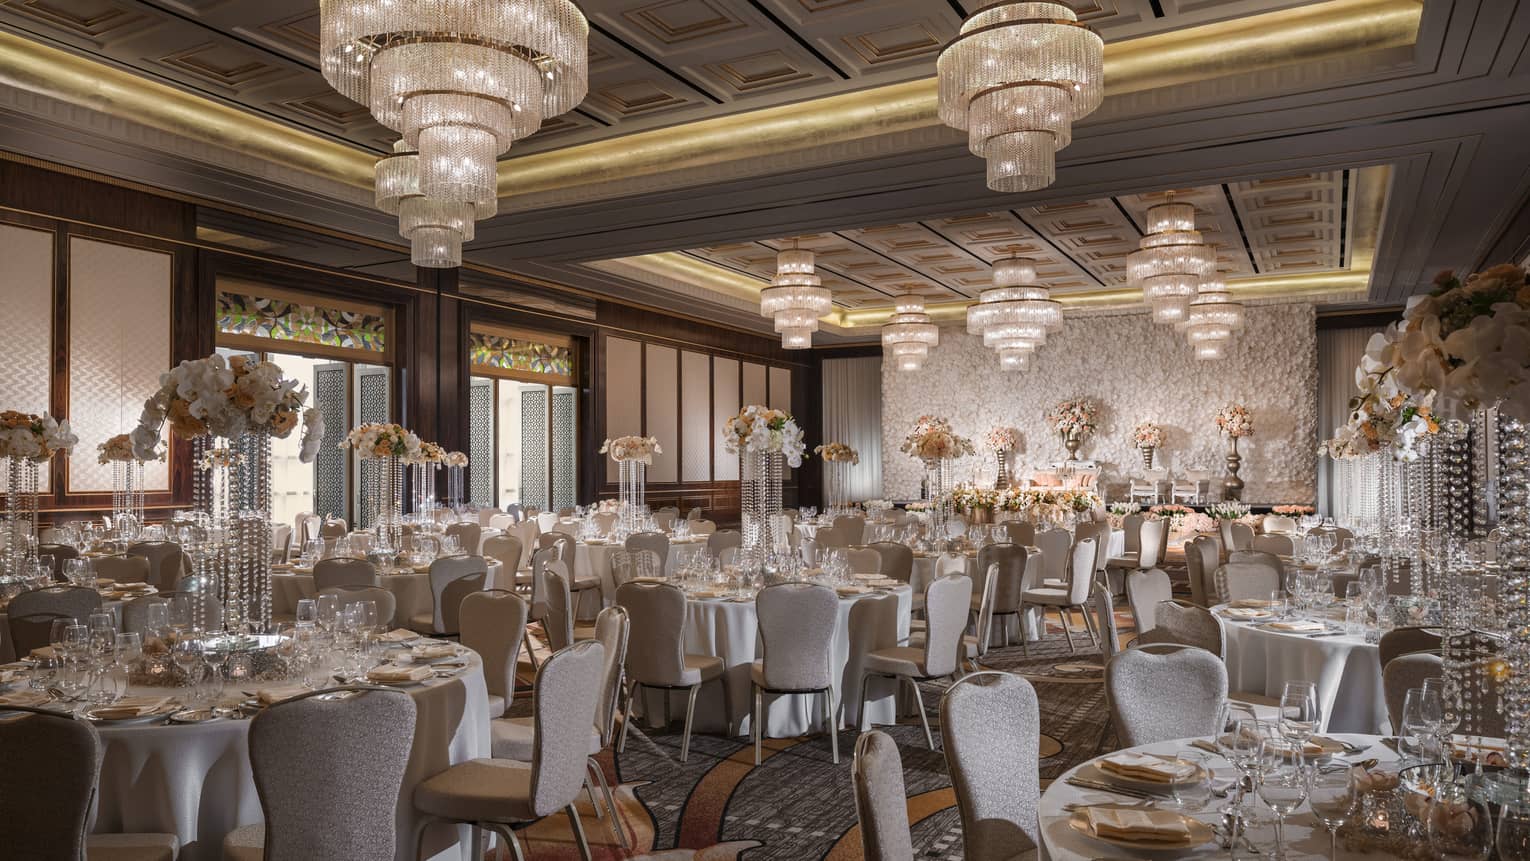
[523,419]
[341,356]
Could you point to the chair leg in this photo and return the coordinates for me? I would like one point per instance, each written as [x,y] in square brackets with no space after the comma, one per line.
[621,743]
[754,720]
[1099,745]
[1089,626]
[860,716]
[530,652]
[1025,643]
[1062,616]
[924,719]
[589,788]
[690,712]
[829,723]
[508,833]
[579,838]
[615,821]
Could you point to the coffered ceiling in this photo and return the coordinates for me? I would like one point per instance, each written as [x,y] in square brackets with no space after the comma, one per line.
[1276,226]
[652,62]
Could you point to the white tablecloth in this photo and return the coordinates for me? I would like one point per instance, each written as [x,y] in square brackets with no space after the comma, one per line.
[1346,670]
[411,592]
[196,782]
[730,630]
[1305,837]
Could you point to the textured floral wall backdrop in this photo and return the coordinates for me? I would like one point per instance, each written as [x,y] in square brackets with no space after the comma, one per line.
[1134,371]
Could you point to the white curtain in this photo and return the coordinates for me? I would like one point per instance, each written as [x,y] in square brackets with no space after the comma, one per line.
[1339,352]
[852,414]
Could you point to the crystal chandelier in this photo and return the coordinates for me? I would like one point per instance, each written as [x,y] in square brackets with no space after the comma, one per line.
[795,298]
[1016,79]
[1171,261]
[908,335]
[1212,319]
[1015,315]
[460,82]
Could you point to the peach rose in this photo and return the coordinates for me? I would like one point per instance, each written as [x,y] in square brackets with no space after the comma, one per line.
[283,421]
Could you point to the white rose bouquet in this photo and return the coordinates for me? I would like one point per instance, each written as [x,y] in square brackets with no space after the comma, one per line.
[225,398]
[119,449]
[933,439]
[380,440]
[757,429]
[34,437]
[456,458]
[428,452]
[637,448]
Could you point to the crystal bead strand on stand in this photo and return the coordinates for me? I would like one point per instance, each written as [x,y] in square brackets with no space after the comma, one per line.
[1513,784]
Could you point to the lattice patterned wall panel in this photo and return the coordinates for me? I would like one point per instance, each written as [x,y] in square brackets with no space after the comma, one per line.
[29,323]
[565,435]
[534,447]
[119,344]
[372,405]
[481,443]
[331,475]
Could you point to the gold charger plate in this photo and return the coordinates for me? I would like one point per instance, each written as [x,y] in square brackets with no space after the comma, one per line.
[1200,832]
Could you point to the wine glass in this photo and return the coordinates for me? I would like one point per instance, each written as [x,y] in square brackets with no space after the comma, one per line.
[129,648]
[307,612]
[1333,796]
[1300,714]
[328,609]
[156,618]
[1243,746]
[1434,689]
[180,614]
[1415,722]
[1283,786]
[1460,827]
[1194,793]
[187,656]
[1514,832]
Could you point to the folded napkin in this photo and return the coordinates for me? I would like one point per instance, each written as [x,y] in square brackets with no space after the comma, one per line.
[425,653]
[42,652]
[1137,824]
[1140,766]
[9,675]
[852,590]
[131,707]
[1245,613]
[885,583]
[868,576]
[277,693]
[647,580]
[399,635]
[1258,603]
[28,698]
[134,587]
[396,673]
[1299,626]
[704,593]
[103,582]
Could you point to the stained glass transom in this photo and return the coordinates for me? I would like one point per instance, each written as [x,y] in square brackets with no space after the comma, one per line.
[522,355]
[285,320]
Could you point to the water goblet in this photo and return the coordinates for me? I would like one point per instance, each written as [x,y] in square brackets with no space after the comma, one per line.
[1513,837]
[1194,793]
[307,612]
[1459,827]
[328,611]
[1333,796]
[1283,786]
[180,613]
[1300,713]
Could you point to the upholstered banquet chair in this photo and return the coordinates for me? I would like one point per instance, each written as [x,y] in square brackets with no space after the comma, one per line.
[1145,590]
[165,561]
[1152,541]
[1243,580]
[507,550]
[828,537]
[665,518]
[50,765]
[499,794]
[1407,641]
[1235,535]
[333,528]
[1021,532]
[864,560]
[469,536]
[797,622]
[1056,551]
[452,578]
[31,614]
[657,542]
[1203,555]
[1066,598]
[1131,526]
[853,528]
[1104,608]
[493,625]
[281,544]
[1259,557]
[203,605]
[656,656]
[1186,625]
[1007,564]
[341,571]
[1099,530]
[1339,533]
[558,623]
[722,539]
[328,766]
[975,645]
[1159,694]
[990,726]
[702,527]
[562,543]
[123,568]
[1278,524]
[948,600]
[881,803]
[502,522]
[385,602]
[897,560]
[566,548]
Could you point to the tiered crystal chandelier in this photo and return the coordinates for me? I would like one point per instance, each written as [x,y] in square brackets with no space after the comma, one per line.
[460,81]
[1015,315]
[909,334]
[1170,262]
[795,298]
[1016,79]
[1212,319]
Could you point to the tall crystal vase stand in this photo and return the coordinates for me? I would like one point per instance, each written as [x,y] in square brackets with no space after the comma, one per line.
[1512,785]
[631,489]
[761,503]
[1232,486]
[836,477]
[936,483]
[127,499]
[18,521]
[423,482]
[384,500]
[231,492]
[454,487]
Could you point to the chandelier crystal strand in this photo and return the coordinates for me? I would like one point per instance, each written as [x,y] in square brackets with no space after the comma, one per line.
[1015,315]
[795,298]
[460,82]
[1170,262]
[909,334]
[1016,79]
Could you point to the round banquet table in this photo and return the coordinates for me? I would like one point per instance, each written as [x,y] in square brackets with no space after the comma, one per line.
[1345,669]
[594,560]
[8,651]
[411,592]
[1305,837]
[195,781]
[730,630]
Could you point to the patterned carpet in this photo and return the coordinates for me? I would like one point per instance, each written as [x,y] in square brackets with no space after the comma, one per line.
[797,804]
